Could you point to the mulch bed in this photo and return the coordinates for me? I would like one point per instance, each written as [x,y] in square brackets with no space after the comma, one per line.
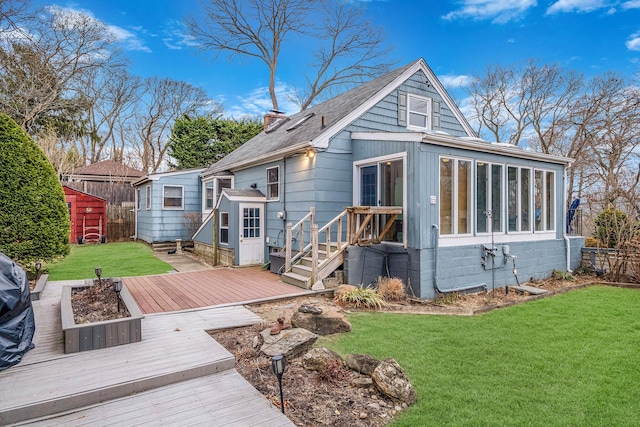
[96,303]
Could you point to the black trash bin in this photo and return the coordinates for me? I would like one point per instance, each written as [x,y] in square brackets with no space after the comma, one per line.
[276,262]
[17,324]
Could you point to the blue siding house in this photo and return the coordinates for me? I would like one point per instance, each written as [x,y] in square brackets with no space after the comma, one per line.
[390,179]
[167,205]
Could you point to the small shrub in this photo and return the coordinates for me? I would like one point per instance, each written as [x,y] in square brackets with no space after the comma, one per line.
[614,228]
[445,299]
[563,275]
[333,372]
[391,288]
[591,242]
[361,298]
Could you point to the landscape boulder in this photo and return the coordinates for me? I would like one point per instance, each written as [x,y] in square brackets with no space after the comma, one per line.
[328,321]
[390,379]
[317,359]
[288,342]
[362,363]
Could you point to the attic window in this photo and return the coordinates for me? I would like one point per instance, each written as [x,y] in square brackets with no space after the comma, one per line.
[299,122]
[419,112]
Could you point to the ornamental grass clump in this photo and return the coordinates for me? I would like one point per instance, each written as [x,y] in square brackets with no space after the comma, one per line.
[391,288]
[362,298]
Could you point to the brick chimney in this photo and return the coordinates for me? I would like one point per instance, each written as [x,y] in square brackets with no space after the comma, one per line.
[272,117]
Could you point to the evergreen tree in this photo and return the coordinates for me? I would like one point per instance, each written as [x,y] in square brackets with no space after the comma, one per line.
[201,141]
[34,219]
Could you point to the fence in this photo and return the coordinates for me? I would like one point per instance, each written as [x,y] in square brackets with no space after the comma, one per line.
[121,222]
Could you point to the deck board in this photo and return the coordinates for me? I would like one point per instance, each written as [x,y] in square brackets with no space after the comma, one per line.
[189,290]
[198,404]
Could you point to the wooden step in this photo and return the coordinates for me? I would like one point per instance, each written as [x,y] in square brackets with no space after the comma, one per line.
[297,280]
[521,289]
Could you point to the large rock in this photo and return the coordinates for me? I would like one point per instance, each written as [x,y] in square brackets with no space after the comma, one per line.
[391,380]
[289,342]
[362,363]
[328,322]
[317,358]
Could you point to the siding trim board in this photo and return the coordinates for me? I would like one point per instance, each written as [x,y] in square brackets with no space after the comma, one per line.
[473,144]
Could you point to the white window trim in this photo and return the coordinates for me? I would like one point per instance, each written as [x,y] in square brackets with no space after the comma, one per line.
[206,210]
[148,197]
[428,114]
[519,199]
[273,199]
[472,208]
[173,208]
[138,201]
[374,161]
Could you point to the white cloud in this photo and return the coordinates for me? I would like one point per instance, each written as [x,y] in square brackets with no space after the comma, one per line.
[453,82]
[176,36]
[258,102]
[499,11]
[631,4]
[578,6]
[634,42]
[127,39]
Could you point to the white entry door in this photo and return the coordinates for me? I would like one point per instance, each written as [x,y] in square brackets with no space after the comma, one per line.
[251,250]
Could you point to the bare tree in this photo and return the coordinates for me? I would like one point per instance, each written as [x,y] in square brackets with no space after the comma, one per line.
[345,47]
[40,74]
[163,101]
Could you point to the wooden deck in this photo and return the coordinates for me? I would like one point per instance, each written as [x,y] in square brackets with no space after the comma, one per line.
[176,375]
[190,290]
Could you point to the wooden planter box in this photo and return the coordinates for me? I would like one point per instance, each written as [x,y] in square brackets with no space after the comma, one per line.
[108,333]
[40,284]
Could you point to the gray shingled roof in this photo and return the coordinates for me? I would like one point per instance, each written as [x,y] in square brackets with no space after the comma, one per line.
[231,192]
[281,139]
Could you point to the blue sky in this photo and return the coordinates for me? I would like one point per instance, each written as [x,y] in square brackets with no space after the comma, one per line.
[457,38]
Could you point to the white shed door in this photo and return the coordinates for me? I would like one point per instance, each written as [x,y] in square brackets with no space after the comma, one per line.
[251,250]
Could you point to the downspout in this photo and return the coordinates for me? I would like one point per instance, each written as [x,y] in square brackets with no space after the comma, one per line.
[564,220]
[436,231]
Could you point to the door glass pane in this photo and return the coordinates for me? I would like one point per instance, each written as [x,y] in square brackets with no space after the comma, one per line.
[391,194]
[251,222]
[368,185]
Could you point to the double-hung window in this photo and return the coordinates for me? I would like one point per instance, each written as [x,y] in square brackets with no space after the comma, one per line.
[224,227]
[208,195]
[148,197]
[172,197]
[455,196]
[418,112]
[273,183]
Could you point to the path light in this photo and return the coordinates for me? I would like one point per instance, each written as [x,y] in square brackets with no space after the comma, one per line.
[98,273]
[38,267]
[278,364]
[117,287]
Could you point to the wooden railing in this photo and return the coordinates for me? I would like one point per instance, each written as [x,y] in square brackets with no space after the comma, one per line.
[362,224]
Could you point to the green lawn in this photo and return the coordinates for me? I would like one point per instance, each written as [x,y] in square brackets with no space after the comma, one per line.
[567,360]
[115,259]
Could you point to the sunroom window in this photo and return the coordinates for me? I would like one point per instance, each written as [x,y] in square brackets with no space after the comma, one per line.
[544,183]
[488,197]
[519,198]
[455,196]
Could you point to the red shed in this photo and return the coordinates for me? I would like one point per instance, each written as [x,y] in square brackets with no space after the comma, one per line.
[88,214]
